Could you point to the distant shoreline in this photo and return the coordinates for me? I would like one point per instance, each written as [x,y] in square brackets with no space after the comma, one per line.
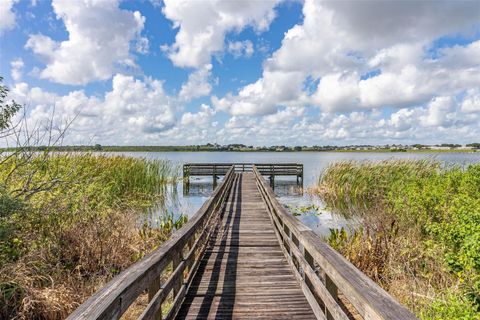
[190,149]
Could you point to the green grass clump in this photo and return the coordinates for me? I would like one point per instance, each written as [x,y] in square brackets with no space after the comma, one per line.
[70,222]
[420,231]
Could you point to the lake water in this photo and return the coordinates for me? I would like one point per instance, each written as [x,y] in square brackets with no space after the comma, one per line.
[313,163]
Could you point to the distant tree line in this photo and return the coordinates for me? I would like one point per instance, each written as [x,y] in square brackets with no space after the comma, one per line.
[242,147]
[474,145]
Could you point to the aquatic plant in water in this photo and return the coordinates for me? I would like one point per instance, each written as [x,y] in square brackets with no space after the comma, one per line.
[304,210]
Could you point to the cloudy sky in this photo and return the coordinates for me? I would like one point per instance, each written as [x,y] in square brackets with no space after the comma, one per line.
[256,72]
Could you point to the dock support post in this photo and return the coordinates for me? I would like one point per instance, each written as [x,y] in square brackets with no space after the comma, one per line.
[186,187]
[214,177]
[301,174]
[272,176]
[186,180]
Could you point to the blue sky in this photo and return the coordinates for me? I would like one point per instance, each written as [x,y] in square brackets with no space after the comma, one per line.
[254,72]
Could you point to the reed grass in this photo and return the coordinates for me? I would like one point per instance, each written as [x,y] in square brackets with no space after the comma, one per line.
[70,222]
[419,235]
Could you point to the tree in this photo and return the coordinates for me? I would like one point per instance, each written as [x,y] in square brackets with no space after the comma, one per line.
[7,110]
[474,145]
[24,150]
[419,146]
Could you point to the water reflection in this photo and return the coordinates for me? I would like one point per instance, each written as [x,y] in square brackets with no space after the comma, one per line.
[314,163]
[287,188]
[198,187]
[290,194]
[171,204]
[204,186]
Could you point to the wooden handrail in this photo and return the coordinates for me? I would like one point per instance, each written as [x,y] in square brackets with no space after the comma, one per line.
[264,168]
[239,163]
[323,272]
[243,164]
[111,301]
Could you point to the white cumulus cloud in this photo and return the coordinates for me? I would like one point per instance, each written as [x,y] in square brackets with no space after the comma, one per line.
[241,48]
[202,26]
[134,111]
[99,39]
[7,15]
[16,69]
[471,103]
[339,42]
[198,84]
[200,119]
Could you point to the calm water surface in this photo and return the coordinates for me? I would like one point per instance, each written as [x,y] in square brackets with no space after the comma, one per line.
[288,194]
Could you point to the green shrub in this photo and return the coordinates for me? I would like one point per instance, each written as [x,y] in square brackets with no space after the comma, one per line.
[435,207]
[452,306]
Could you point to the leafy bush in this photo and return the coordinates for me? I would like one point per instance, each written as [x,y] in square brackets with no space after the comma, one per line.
[452,306]
[407,207]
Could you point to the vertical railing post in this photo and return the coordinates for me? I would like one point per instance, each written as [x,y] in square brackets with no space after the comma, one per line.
[177,258]
[332,289]
[190,243]
[152,290]
[302,173]
[288,233]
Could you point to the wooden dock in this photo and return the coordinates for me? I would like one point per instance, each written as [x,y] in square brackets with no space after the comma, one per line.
[243,256]
[243,273]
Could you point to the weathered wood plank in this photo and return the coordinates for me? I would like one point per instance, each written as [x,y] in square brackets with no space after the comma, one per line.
[243,273]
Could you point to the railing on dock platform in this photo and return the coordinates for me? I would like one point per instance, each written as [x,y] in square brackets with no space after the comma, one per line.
[266,169]
[215,170]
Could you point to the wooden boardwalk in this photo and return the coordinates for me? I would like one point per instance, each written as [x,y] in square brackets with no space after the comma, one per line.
[243,256]
[243,273]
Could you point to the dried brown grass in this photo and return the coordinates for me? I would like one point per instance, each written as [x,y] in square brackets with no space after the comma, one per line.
[394,256]
[51,282]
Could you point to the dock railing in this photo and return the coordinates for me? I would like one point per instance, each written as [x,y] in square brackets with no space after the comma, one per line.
[267,169]
[183,251]
[323,273]
[216,170]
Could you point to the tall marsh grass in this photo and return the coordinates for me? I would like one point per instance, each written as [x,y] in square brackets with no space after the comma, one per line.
[420,232]
[69,223]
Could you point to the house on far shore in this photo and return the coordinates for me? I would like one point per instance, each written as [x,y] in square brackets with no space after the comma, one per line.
[465,148]
[452,147]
